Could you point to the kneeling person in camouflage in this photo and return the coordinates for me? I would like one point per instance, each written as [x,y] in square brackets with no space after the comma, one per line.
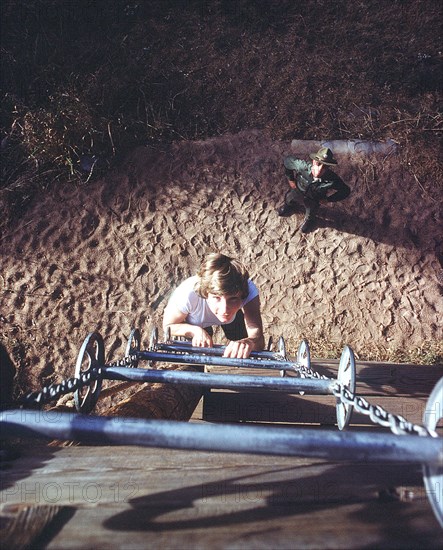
[312,183]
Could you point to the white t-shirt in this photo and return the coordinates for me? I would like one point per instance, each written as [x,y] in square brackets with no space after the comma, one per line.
[186,300]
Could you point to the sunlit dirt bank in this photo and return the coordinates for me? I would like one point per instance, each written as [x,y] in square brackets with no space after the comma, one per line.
[105,256]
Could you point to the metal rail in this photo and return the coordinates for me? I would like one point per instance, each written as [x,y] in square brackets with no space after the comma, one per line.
[333,445]
[193,358]
[220,381]
[216,351]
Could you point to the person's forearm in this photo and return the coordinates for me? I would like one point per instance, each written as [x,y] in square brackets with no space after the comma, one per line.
[198,335]
[257,339]
[290,174]
[241,349]
[182,329]
[342,191]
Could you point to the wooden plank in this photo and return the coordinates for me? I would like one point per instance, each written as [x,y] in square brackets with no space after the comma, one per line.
[228,406]
[372,378]
[137,497]
[400,389]
[171,401]
[131,497]
[23,526]
[197,415]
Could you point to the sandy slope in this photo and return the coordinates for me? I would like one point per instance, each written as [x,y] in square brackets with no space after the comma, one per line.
[105,256]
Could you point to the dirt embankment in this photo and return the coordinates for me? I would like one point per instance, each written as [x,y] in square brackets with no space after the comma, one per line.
[104,257]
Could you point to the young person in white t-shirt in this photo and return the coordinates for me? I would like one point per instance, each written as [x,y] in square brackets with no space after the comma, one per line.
[220,294]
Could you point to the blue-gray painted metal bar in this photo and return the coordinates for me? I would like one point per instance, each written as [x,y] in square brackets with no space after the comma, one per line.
[199,359]
[331,445]
[220,381]
[216,351]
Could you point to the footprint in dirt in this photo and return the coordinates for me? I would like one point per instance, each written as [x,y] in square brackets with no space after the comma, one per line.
[89,224]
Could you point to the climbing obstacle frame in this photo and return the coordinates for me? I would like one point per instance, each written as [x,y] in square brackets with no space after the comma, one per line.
[408,442]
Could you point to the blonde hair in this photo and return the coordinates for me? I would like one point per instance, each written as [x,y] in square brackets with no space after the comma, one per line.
[222,275]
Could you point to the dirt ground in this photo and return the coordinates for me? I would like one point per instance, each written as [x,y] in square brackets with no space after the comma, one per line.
[105,256]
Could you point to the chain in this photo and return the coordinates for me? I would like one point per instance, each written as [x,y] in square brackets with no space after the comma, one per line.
[378,415]
[306,372]
[52,392]
[128,361]
[55,391]
[397,424]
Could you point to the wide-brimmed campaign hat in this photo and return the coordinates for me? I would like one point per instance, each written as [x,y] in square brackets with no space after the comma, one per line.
[325,156]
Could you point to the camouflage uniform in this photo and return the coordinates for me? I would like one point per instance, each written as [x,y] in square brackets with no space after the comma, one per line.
[309,190]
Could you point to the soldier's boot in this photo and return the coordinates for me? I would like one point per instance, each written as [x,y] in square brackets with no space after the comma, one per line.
[285,210]
[308,224]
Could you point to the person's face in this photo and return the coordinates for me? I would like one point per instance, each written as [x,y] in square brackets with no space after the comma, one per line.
[224,306]
[317,168]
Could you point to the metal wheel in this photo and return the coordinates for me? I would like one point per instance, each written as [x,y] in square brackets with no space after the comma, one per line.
[91,355]
[346,378]
[304,354]
[282,353]
[133,345]
[304,358]
[433,474]
[153,341]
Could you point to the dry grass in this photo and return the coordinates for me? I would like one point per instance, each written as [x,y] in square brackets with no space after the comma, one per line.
[429,353]
[97,78]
